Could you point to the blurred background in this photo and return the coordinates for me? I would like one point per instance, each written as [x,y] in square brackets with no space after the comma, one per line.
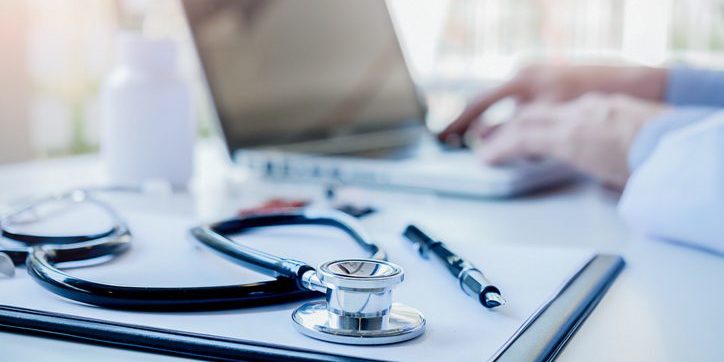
[56,53]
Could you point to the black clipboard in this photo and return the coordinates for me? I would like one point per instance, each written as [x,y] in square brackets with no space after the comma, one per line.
[540,338]
[544,335]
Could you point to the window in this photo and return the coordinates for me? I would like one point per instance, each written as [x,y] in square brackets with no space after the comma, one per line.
[69,47]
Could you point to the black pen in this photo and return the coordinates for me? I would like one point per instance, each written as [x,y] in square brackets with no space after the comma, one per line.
[472,281]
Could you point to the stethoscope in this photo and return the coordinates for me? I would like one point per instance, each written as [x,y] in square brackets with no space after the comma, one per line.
[357,308]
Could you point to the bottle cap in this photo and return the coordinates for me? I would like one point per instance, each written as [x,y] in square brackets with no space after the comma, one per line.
[138,51]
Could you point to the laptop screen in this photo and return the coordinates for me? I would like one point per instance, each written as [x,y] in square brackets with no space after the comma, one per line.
[289,71]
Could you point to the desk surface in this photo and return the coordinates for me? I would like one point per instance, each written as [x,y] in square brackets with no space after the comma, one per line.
[665,306]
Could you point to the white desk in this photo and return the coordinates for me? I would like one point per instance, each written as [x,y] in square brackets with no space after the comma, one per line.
[665,306]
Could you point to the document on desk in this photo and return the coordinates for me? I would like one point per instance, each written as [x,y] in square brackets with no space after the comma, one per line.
[458,328]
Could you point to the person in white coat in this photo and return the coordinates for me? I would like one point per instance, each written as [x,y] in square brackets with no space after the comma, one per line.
[657,134]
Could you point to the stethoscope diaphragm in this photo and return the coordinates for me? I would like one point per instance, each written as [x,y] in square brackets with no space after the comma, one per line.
[358,306]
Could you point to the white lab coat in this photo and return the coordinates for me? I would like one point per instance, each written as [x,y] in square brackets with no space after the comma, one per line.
[677,193]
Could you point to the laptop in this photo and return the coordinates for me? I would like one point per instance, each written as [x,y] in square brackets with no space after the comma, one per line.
[319,90]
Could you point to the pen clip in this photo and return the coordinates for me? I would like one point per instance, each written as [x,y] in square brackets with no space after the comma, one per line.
[419,239]
[423,250]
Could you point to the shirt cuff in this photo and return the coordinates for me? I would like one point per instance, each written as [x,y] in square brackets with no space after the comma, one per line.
[650,135]
[695,87]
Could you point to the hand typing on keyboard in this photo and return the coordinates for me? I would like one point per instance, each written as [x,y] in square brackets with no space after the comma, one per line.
[585,116]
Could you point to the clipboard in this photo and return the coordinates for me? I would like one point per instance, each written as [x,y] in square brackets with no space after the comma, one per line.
[541,338]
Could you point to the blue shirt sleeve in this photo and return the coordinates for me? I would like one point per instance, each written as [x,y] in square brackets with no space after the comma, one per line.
[695,87]
[695,94]
[650,135]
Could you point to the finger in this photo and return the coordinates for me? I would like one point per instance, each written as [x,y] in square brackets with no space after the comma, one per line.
[482,130]
[471,113]
[486,131]
[525,144]
[521,140]
[531,115]
[478,134]
[537,114]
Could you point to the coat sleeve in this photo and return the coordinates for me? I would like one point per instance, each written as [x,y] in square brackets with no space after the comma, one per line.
[694,94]
[677,192]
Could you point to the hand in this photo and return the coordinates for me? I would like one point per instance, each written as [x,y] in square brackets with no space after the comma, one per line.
[563,83]
[592,133]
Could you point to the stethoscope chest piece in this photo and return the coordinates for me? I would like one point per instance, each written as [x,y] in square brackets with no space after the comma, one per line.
[358,306]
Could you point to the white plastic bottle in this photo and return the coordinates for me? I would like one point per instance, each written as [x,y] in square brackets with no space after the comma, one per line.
[148,126]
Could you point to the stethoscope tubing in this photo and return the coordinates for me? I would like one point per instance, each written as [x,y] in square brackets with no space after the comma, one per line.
[41,261]
[215,237]
[43,256]
[162,299]
[76,196]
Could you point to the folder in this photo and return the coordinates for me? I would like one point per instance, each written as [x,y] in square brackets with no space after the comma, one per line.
[550,292]
[541,338]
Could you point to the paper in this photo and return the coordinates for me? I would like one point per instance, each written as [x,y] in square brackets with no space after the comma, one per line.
[458,328]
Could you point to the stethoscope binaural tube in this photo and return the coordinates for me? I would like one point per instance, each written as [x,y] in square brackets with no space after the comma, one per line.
[67,248]
[75,196]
